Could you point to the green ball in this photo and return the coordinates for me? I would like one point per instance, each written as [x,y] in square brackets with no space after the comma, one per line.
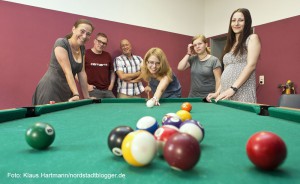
[40,135]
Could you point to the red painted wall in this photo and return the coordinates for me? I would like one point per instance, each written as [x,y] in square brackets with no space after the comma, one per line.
[28,34]
[280,58]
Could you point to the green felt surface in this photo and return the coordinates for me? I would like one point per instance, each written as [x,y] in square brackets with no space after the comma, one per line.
[80,149]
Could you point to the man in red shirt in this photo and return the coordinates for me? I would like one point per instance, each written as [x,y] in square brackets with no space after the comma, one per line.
[99,69]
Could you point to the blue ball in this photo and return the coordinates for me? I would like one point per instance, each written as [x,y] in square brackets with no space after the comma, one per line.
[147,123]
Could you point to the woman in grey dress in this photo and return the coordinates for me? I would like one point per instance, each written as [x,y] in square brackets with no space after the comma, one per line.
[206,69]
[67,60]
[242,51]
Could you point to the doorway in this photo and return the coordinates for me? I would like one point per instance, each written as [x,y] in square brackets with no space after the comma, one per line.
[217,45]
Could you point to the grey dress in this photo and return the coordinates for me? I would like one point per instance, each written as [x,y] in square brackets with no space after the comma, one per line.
[234,66]
[54,86]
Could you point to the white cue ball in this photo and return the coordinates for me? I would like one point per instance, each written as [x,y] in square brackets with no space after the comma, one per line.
[150,103]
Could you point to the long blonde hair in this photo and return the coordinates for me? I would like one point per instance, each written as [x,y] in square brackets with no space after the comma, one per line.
[164,69]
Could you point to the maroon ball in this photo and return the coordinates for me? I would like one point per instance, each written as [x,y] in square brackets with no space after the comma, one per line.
[182,151]
[266,150]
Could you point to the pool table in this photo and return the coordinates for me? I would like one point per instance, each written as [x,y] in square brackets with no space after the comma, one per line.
[80,154]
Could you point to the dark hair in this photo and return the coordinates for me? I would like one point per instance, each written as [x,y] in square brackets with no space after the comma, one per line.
[77,23]
[240,47]
[102,35]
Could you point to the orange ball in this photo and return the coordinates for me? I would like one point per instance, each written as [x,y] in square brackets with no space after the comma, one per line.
[186,106]
[184,115]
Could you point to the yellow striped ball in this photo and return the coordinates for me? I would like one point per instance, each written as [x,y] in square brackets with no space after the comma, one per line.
[139,148]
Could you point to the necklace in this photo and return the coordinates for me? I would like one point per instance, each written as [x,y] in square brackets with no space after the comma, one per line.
[75,51]
[203,57]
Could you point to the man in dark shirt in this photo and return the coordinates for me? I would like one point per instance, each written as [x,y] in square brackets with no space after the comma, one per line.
[99,69]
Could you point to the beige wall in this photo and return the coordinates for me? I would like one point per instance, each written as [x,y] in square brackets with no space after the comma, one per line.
[217,12]
[187,17]
[175,16]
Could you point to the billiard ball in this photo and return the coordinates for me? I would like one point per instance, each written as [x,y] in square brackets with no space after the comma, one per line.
[150,103]
[161,136]
[147,123]
[116,137]
[194,128]
[40,135]
[266,150]
[139,148]
[184,115]
[186,106]
[182,151]
[174,121]
[168,115]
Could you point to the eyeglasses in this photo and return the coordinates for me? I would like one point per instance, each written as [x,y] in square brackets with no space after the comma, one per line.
[152,63]
[101,42]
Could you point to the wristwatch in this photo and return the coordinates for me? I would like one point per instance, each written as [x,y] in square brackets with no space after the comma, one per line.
[234,89]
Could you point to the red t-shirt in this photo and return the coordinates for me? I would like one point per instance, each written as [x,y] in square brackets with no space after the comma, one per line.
[98,68]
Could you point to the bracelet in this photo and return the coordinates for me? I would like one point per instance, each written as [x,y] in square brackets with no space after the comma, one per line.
[155,99]
[76,95]
[234,89]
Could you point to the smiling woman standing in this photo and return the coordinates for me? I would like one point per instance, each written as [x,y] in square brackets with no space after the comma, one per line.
[241,54]
[67,59]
